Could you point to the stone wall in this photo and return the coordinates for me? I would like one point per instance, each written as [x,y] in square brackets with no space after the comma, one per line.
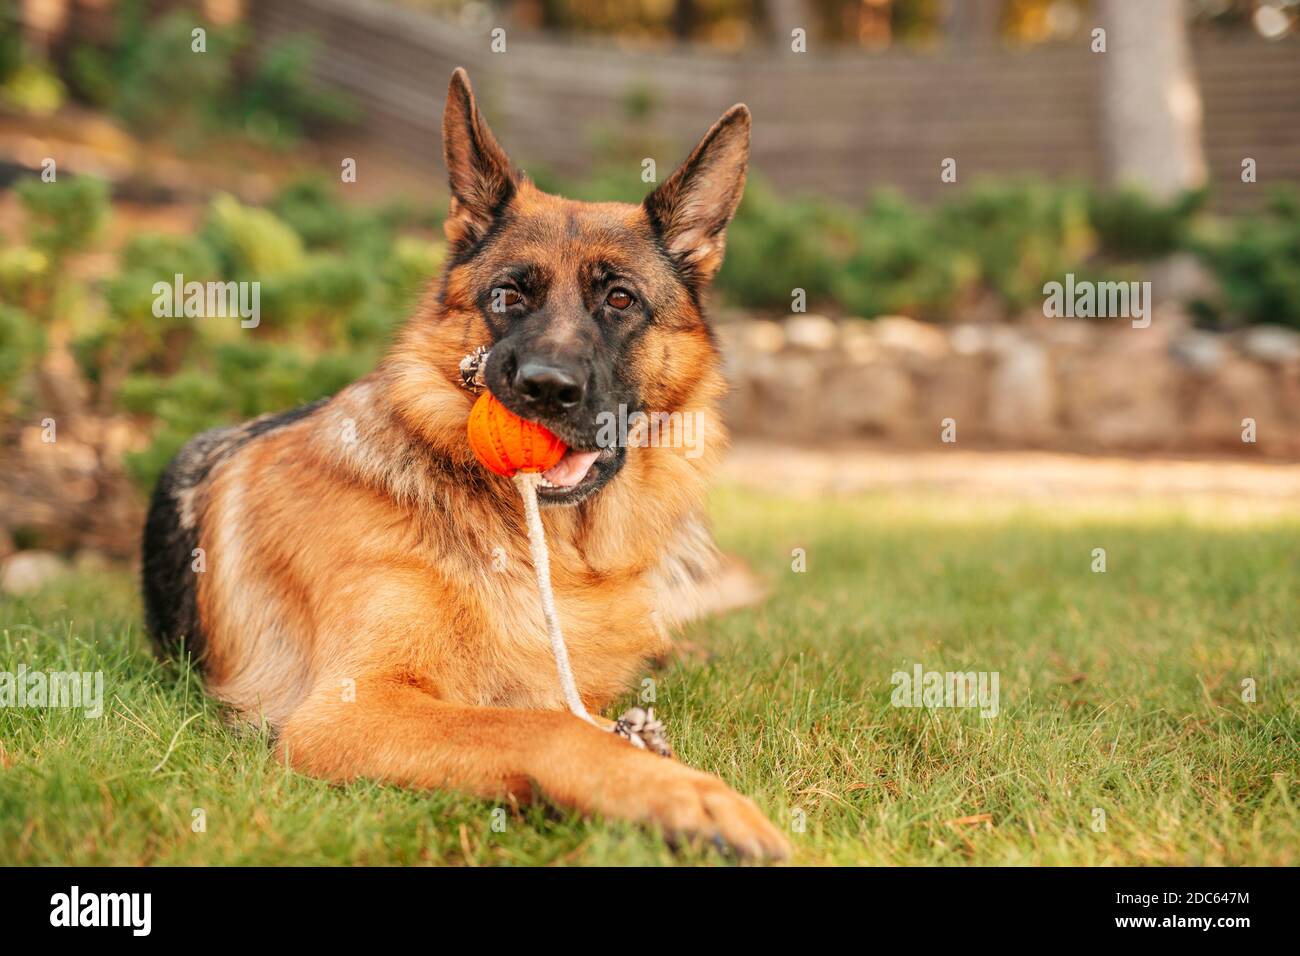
[1063,384]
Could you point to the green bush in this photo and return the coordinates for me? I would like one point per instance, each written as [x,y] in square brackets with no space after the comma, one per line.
[1257,264]
[775,246]
[280,100]
[1131,225]
[162,86]
[902,264]
[11,41]
[26,82]
[163,256]
[1019,235]
[21,345]
[333,283]
[64,215]
[152,79]
[312,209]
[89,71]
[320,295]
[33,89]
[182,405]
[135,338]
[252,243]
[24,275]
[408,273]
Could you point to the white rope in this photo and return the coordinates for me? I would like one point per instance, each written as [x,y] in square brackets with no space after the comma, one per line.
[526,482]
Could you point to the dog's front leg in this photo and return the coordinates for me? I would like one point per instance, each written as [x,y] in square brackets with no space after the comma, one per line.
[398,732]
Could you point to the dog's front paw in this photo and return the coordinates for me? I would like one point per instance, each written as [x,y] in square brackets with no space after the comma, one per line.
[689,805]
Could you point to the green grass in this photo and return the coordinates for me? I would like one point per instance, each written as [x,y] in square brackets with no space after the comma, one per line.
[1119,691]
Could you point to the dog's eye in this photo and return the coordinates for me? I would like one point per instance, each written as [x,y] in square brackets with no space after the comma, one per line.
[505,298]
[619,299]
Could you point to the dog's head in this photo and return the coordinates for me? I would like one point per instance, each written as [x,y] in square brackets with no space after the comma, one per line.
[592,309]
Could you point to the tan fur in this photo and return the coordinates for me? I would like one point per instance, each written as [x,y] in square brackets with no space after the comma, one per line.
[369,591]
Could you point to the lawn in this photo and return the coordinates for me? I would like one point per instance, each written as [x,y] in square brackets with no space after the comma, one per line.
[1121,737]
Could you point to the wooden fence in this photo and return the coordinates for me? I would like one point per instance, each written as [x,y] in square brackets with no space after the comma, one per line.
[840,123]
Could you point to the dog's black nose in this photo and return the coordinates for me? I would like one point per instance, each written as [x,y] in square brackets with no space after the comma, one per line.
[548,386]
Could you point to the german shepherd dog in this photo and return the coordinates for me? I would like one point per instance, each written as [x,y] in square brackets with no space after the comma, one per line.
[367,590]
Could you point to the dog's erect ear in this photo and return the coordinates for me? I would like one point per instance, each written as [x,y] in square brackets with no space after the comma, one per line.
[691,208]
[481,178]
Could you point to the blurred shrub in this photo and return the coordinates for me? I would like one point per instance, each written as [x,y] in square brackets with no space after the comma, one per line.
[182,405]
[137,338]
[413,261]
[775,246]
[64,215]
[148,76]
[320,295]
[161,87]
[280,100]
[26,83]
[1019,235]
[1131,225]
[902,264]
[333,283]
[252,243]
[21,344]
[32,89]
[90,75]
[1256,261]
[11,40]
[1001,239]
[163,256]
[24,276]
[311,208]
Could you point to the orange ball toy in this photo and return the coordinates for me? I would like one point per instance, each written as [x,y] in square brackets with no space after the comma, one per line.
[506,443]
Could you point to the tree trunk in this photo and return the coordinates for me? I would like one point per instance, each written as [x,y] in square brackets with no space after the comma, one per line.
[684,18]
[1150,104]
[784,15]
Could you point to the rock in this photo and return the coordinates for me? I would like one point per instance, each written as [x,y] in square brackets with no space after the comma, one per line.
[956,388]
[1067,333]
[1062,383]
[1120,398]
[1022,393]
[969,339]
[1169,321]
[1239,389]
[1202,352]
[1274,344]
[762,335]
[774,395]
[29,571]
[910,338]
[1181,277]
[857,400]
[1288,402]
[813,332]
[857,342]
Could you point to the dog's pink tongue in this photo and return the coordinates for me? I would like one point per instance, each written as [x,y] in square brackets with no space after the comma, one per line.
[571,469]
